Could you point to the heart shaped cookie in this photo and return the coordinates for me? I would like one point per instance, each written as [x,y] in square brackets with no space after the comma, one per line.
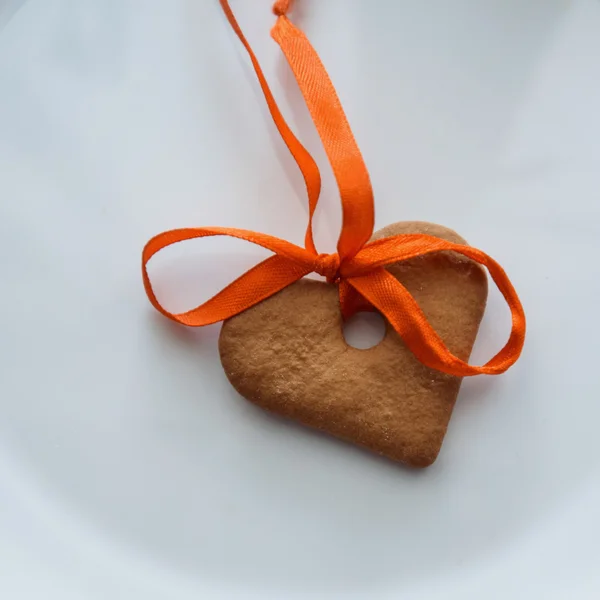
[288,355]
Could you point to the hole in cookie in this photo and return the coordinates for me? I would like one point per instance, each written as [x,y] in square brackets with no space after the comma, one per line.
[364,330]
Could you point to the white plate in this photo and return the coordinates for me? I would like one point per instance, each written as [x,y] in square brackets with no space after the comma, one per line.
[129,468]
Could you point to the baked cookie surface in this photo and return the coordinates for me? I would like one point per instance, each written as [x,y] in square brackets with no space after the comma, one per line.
[288,355]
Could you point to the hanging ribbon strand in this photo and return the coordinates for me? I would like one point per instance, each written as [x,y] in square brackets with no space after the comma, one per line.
[342,150]
[358,267]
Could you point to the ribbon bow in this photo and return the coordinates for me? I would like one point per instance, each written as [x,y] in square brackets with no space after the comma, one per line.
[358,266]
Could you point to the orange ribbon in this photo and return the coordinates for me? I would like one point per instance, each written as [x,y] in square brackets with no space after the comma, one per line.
[358,266]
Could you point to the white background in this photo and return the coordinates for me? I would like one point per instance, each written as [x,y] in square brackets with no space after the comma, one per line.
[129,468]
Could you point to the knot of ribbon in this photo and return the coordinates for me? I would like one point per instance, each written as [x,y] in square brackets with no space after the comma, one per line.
[281,7]
[358,266]
[328,266]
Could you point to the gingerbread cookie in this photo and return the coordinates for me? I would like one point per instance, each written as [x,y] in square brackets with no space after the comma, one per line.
[288,355]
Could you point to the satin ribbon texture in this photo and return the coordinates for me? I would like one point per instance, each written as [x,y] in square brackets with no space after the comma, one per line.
[358,266]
